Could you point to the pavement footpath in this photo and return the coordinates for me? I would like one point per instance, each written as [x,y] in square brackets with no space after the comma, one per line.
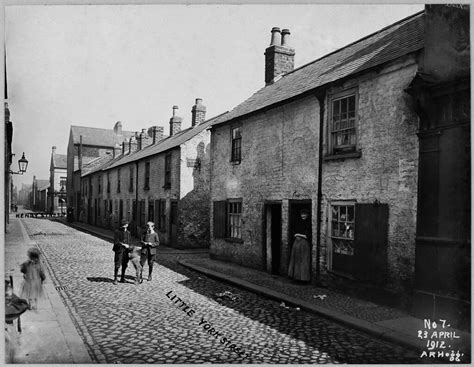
[48,334]
[378,320]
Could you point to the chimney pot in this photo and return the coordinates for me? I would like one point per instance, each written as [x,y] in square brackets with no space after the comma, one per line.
[285,38]
[276,37]
[279,57]
[54,149]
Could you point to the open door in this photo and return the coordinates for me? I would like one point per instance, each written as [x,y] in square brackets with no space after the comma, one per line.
[272,237]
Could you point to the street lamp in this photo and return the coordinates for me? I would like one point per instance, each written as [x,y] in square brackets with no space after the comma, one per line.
[22,165]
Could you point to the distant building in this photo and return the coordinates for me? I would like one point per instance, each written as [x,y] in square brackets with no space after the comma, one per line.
[57,181]
[157,178]
[23,194]
[39,197]
[86,144]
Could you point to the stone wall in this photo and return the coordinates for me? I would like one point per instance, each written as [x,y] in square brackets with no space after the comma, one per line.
[387,168]
[279,162]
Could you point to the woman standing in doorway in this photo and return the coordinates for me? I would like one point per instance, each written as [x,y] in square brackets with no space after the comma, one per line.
[300,260]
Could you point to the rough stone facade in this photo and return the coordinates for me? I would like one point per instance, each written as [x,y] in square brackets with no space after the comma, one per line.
[279,162]
[387,169]
[193,215]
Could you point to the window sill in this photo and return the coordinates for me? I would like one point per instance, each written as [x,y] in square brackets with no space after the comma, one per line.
[236,240]
[146,188]
[235,163]
[166,187]
[341,156]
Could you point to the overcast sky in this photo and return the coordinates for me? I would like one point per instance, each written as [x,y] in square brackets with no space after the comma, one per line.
[95,65]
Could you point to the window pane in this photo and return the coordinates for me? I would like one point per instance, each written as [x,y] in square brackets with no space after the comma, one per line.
[352,103]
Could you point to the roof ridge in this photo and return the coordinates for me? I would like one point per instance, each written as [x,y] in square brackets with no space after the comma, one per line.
[353,43]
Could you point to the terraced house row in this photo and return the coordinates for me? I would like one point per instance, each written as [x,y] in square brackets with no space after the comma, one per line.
[373,139]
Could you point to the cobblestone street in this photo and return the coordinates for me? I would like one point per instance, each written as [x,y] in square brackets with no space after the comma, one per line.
[125,323]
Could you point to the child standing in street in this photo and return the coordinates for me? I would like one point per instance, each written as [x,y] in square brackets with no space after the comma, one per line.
[33,273]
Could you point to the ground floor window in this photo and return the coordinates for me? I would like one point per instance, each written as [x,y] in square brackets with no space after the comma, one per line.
[342,228]
[228,219]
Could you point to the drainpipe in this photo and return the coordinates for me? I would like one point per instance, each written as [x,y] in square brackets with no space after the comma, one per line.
[321,97]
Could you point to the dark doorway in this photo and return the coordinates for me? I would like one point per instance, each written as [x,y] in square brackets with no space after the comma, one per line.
[173,223]
[272,237]
[295,208]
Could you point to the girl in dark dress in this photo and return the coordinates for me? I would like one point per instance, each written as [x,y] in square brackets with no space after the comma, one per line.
[300,260]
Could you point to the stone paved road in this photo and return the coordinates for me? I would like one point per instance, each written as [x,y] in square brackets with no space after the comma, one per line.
[125,323]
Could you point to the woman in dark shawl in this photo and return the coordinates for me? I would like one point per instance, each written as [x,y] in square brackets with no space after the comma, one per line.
[300,260]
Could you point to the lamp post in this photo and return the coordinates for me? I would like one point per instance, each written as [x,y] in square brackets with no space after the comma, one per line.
[22,165]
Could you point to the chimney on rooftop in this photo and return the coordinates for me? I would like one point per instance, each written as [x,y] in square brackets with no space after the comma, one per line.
[53,149]
[132,144]
[118,128]
[279,56]
[156,133]
[117,150]
[175,122]
[198,112]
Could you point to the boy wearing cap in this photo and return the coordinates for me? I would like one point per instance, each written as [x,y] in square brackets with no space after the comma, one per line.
[122,241]
[150,241]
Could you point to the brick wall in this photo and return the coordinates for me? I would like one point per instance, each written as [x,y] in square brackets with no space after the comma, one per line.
[279,162]
[387,169]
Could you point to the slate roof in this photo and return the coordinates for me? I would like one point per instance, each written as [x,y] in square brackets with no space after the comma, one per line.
[166,143]
[97,136]
[42,184]
[60,161]
[96,164]
[401,38]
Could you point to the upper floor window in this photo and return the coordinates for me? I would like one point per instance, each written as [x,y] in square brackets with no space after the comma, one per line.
[342,123]
[147,176]
[90,186]
[62,182]
[168,170]
[130,183]
[118,180]
[236,149]
[108,182]
[99,184]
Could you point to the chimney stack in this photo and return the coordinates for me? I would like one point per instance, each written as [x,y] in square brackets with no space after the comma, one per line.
[156,133]
[117,150]
[124,143]
[132,144]
[118,128]
[198,112]
[54,150]
[279,56]
[175,122]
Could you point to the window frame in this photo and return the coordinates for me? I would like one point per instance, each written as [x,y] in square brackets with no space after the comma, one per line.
[229,214]
[147,176]
[233,156]
[118,181]
[334,238]
[350,150]
[130,182]
[108,182]
[167,175]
